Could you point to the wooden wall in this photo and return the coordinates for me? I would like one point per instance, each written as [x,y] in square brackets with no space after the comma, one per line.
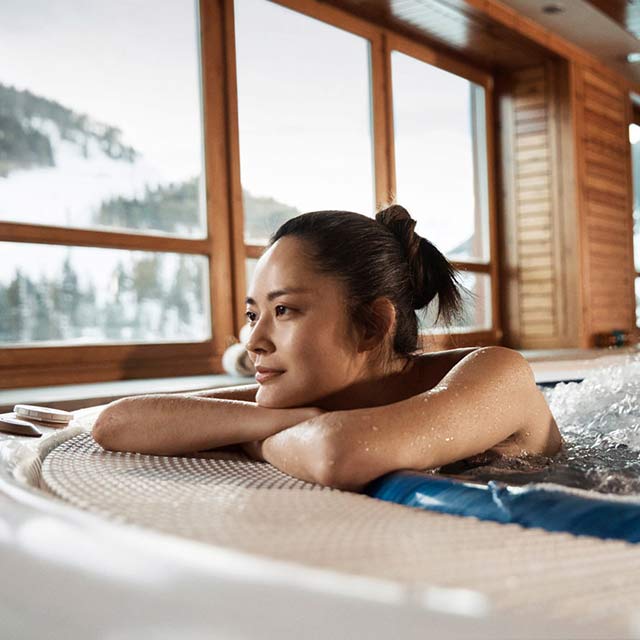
[537,269]
[567,238]
[602,111]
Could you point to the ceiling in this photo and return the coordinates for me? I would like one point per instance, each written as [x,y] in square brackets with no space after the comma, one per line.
[626,13]
[453,25]
[605,28]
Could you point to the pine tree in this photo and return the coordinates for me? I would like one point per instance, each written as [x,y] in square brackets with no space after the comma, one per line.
[4,315]
[70,295]
[146,278]
[17,304]
[179,293]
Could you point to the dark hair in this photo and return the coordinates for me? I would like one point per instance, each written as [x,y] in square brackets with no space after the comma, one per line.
[379,258]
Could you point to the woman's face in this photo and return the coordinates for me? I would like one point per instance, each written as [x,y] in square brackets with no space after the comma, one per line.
[300,329]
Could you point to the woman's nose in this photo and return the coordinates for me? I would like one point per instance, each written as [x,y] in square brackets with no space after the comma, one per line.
[259,341]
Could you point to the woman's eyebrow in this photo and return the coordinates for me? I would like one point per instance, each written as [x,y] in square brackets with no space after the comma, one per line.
[272,295]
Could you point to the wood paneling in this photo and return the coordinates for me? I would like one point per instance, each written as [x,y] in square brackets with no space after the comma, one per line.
[40,366]
[568,243]
[602,115]
[534,269]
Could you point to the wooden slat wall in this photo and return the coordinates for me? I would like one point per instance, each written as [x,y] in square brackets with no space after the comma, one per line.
[602,114]
[535,271]
[538,316]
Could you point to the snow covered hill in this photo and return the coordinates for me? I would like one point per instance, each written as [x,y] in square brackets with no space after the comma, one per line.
[90,163]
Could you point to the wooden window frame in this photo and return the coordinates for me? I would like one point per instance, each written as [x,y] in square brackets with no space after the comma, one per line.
[634,118]
[382,42]
[22,366]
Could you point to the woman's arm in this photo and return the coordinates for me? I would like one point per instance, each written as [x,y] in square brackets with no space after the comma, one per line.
[489,396]
[246,392]
[166,424]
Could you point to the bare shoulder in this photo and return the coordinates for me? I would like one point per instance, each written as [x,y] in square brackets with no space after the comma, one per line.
[429,368]
[505,371]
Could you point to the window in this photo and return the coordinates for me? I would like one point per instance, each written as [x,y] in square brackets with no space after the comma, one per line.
[441,173]
[114,118]
[80,295]
[304,117]
[103,232]
[308,97]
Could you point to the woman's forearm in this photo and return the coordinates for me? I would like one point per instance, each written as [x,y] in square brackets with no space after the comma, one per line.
[246,392]
[167,424]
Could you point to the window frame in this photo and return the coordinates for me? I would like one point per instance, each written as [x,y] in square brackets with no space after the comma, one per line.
[634,110]
[419,51]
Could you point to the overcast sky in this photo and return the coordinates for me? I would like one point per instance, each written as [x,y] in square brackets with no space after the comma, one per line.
[305,126]
[128,63]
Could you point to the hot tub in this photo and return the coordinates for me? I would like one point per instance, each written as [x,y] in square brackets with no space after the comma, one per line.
[258,554]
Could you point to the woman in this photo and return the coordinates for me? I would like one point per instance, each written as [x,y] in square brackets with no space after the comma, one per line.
[341,396]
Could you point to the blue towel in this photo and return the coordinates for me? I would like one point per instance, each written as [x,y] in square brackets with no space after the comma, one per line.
[530,506]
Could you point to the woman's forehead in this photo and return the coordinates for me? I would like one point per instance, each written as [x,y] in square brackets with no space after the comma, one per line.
[285,260]
[285,266]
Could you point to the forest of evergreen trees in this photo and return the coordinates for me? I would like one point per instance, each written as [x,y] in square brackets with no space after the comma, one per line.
[140,305]
[144,305]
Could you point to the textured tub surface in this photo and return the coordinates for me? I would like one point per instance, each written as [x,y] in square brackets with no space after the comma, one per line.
[231,502]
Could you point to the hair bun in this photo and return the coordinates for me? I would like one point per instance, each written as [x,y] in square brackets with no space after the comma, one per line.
[398,220]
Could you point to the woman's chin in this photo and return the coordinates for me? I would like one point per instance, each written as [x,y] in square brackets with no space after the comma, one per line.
[267,399]
[271,399]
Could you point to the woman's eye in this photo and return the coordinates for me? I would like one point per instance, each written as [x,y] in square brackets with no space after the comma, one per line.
[280,310]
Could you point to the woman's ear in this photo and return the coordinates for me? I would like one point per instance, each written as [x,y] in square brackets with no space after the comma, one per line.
[381,321]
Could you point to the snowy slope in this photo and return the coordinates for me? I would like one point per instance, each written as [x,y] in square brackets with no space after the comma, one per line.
[70,192]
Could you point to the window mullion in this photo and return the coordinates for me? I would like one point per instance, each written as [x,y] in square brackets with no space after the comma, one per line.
[215,89]
[382,120]
[41,234]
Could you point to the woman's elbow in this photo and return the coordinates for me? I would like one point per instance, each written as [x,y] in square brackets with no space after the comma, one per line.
[110,427]
[330,475]
[336,468]
[539,427]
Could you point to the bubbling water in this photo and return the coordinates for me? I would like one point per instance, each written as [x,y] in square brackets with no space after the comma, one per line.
[599,419]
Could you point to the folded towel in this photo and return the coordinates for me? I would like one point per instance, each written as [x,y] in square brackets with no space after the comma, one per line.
[236,362]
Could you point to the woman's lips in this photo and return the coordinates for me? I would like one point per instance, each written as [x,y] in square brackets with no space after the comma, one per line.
[267,375]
